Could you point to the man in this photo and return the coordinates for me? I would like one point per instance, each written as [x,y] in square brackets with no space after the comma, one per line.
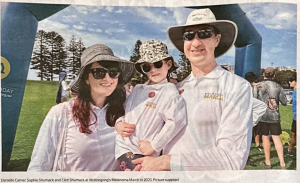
[293,84]
[219,103]
[271,93]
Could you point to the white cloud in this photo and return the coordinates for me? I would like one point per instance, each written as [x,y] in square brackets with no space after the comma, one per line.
[152,16]
[87,9]
[119,11]
[109,8]
[272,15]
[180,15]
[82,23]
[48,25]
[99,30]
[78,27]
[91,29]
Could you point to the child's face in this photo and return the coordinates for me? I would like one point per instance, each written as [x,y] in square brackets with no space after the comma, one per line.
[156,75]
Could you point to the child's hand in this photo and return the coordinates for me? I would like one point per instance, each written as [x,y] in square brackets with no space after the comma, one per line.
[146,148]
[125,129]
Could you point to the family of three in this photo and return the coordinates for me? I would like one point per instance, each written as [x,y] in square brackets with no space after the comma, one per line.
[202,123]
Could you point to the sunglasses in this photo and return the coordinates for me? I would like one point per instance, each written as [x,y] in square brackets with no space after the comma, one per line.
[99,73]
[202,34]
[147,67]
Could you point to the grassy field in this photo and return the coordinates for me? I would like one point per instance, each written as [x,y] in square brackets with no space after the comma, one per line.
[39,97]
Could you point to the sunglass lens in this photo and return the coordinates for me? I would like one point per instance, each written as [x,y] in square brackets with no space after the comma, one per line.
[189,35]
[114,73]
[146,67]
[203,34]
[98,73]
[158,64]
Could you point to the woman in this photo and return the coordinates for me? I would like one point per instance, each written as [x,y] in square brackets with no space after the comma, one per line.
[63,91]
[89,139]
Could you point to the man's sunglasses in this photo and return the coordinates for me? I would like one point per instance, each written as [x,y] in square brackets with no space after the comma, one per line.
[146,67]
[99,73]
[202,34]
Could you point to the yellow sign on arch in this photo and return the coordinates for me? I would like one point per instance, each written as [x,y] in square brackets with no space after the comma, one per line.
[5,67]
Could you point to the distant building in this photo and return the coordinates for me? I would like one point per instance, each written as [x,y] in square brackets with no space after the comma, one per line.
[285,68]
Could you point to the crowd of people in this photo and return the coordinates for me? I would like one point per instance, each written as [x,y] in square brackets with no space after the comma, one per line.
[201,123]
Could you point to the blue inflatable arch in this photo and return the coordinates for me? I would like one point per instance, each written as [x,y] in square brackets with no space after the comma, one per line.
[18,30]
[19,23]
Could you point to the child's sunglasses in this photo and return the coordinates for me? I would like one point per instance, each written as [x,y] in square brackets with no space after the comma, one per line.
[99,73]
[146,67]
[202,34]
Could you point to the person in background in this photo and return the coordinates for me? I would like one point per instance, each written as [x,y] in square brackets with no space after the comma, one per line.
[63,90]
[173,78]
[293,84]
[271,93]
[128,88]
[71,93]
[89,143]
[253,80]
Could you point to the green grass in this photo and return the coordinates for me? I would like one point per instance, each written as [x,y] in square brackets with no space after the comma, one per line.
[39,97]
[257,156]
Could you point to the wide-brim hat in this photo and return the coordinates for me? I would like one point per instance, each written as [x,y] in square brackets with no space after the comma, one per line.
[100,52]
[153,51]
[227,28]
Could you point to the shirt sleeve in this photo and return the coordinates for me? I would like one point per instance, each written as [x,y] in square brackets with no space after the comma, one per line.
[282,97]
[259,109]
[64,85]
[43,155]
[175,119]
[233,138]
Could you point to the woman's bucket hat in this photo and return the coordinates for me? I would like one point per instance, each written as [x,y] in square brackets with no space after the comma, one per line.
[153,51]
[100,52]
[228,30]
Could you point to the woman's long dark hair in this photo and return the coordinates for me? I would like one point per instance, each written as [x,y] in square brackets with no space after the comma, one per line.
[82,109]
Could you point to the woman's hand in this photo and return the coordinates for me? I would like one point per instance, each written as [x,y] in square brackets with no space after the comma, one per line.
[125,129]
[161,163]
[146,148]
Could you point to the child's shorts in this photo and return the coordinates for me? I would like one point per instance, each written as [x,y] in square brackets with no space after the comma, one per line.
[125,160]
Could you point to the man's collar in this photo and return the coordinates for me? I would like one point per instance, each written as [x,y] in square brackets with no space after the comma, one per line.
[214,74]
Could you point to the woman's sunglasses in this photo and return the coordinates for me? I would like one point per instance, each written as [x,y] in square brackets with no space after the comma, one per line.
[202,34]
[146,67]
[99,73]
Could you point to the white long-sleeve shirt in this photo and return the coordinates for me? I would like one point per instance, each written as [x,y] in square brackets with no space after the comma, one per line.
[219,109]
[159,113]
[83,152]
[64,89]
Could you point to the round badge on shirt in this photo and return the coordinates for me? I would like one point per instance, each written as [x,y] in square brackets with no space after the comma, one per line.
[151,94]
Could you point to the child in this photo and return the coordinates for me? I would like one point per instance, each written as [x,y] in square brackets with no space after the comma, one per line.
[156,108]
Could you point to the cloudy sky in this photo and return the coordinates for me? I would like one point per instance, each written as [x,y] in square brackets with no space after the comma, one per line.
[120,28]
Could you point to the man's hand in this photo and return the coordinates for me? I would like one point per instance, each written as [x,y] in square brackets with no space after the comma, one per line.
[146,148]
[161,163]
[125,129]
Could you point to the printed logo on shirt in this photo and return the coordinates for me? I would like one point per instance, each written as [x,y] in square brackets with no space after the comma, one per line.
[215,96]
[151,104]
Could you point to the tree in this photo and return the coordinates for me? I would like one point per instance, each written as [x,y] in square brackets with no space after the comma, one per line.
[184,67]
[72,55]
[138,77]
[41,55]
[282,77]
[57,57]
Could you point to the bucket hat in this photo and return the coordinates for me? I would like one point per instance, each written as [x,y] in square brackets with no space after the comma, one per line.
[153,51]
[100,52]
[227,28]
